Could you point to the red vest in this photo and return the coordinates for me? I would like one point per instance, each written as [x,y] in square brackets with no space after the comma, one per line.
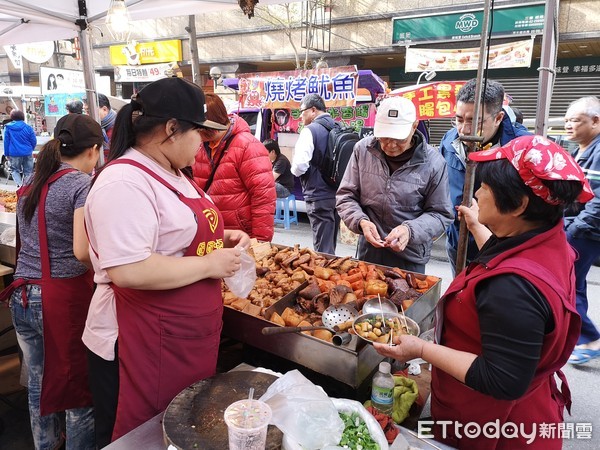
[547,262]
[65,302]
[168,339]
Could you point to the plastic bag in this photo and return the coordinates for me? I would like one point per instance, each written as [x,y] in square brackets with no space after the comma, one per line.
[348,407]
[9,236]
[352,406]
[241,282]
[299,406]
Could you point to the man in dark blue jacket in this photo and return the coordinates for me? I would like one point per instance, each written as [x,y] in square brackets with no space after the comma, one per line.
[582,123]
[496,129]
[308,154]
[19,143]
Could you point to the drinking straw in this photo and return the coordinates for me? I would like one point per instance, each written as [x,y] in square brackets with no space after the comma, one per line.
[404,318]
[247,411]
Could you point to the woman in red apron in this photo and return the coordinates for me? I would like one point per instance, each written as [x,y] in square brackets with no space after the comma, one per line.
[52,290]
[159,252]
[508,323]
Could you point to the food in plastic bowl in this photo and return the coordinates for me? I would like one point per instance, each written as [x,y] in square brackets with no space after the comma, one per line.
[382,327]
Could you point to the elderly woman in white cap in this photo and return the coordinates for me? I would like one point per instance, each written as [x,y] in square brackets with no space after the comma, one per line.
[395,191]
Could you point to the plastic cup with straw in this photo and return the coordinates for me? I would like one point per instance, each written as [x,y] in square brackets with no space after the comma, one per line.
[247,423]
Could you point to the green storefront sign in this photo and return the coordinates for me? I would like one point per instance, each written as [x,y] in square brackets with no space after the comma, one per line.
[512,21]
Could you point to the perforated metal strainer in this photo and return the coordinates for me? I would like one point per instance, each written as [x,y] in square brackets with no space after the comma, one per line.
[337,315]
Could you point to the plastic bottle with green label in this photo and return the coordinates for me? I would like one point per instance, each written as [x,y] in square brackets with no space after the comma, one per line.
[382,391]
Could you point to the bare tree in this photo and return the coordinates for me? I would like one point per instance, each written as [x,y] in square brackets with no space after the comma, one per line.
[288,18]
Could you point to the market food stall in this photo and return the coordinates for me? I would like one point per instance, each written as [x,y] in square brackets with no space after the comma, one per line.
[355,361]
[344,371]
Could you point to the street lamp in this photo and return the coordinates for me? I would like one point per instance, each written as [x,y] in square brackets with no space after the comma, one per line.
[429,75]
[117,20]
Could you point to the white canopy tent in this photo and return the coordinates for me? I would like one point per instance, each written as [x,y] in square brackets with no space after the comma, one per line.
[24,21]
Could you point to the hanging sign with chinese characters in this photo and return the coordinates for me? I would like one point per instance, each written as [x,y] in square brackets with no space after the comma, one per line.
[433,100]
[14,54]
[336,85]
[502,56]
[146,73]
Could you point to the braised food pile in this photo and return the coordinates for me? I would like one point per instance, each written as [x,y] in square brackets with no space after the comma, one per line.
[378,328]
[332,281]
[8,200]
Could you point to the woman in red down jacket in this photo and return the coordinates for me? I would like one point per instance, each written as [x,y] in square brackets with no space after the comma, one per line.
[242,187]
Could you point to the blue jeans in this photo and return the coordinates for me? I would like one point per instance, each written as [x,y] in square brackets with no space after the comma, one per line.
[45,429]
[21,165]
[588,251]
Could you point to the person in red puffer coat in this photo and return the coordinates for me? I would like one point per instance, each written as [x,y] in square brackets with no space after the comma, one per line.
[242,186]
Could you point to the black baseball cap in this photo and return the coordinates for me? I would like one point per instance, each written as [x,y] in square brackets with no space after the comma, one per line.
[175,98]
[79,131]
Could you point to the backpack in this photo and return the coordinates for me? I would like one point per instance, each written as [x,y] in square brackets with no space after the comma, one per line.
[340,146]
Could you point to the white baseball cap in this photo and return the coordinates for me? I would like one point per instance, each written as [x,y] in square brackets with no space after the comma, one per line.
[395,118]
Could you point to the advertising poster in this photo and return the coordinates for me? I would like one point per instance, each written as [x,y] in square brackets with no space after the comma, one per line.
[502,56]
[338,87]
[61,81]
[56,104]
[357,117]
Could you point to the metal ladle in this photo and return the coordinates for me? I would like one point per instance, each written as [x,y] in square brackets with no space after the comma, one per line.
[332,317]
[375,306]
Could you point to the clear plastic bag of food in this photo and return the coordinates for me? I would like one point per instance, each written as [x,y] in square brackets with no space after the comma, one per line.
[242,282]
[299,406]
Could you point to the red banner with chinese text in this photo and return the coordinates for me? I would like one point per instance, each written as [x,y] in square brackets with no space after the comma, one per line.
[432,100]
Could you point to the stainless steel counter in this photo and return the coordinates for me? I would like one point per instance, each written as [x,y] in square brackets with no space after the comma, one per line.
[8,254]
[149,435]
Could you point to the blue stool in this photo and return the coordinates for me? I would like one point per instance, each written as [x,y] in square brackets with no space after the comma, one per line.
[284,214]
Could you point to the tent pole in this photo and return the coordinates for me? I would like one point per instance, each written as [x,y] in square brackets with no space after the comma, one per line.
[85,39]
[547,67]
[89,78]
[474,140]
[191,29]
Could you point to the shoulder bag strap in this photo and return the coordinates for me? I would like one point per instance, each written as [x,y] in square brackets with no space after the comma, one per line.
[214,169]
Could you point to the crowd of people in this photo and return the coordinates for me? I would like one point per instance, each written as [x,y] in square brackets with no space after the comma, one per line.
[126,279]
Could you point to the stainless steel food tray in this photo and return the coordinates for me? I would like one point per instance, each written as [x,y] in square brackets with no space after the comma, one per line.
[351,364]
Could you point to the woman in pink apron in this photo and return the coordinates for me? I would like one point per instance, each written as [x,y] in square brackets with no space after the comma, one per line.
[52,289]
[508,323]
[159,251]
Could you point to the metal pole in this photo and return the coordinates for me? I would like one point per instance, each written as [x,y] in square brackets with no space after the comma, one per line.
[89,79]
[191,29]
[23,101]
[88,66]
[474,139]
[547,67]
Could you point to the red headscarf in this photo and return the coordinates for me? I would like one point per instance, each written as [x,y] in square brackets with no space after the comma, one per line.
[537,158]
